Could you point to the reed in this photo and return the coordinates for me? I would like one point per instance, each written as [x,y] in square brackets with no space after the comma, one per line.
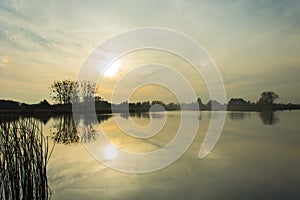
[23,159]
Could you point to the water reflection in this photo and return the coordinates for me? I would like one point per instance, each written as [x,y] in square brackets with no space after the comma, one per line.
[44,118]
[238,115]
[269,118]
[246,159]
[88,133]
[66,131]
[142,115]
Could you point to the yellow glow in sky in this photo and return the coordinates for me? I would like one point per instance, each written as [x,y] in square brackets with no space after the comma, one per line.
[257,50]
[113,69]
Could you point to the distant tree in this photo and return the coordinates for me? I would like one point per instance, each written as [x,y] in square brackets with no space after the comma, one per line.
[146,105]
[9,105]
[268,98]
[67,91]
[200,104]
[199,101]
[158,102]
[88,90]
[215,105]
[238,101]
[98,98]
[76,92]
[62,91]
[172,106]
[43,104]
[239,104]
[102,104]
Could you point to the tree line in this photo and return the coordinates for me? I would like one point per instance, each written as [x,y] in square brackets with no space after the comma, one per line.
[68,92]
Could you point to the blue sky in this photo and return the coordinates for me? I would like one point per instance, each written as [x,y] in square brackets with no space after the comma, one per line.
[256,44]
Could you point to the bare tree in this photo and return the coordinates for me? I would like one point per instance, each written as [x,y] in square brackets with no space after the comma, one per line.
[62,91]
[268,98]
[88,90]
[76,93]
[67,91]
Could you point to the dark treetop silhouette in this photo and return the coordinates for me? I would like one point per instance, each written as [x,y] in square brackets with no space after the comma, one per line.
[67,92]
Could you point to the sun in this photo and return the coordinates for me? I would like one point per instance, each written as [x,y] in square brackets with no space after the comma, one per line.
[113,69]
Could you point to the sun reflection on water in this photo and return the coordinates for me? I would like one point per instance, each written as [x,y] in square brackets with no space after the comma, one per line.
[110,152]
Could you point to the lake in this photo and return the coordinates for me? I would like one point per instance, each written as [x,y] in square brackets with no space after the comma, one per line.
[256,157]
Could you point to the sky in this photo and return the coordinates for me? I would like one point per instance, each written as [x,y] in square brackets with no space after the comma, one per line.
[255,44]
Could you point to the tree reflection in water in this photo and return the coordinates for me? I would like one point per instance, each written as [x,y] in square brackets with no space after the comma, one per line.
[237,115]
[142,115]
[268,117]
[89,133]
[66,131]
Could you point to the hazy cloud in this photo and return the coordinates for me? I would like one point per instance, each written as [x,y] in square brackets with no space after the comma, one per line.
[256,44]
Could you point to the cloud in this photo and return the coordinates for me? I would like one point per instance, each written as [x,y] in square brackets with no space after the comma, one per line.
[254,43]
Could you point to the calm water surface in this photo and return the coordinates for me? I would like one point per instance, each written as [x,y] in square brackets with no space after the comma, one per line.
[256,157]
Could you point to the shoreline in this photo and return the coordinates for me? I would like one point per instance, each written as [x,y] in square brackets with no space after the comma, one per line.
[55,112]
